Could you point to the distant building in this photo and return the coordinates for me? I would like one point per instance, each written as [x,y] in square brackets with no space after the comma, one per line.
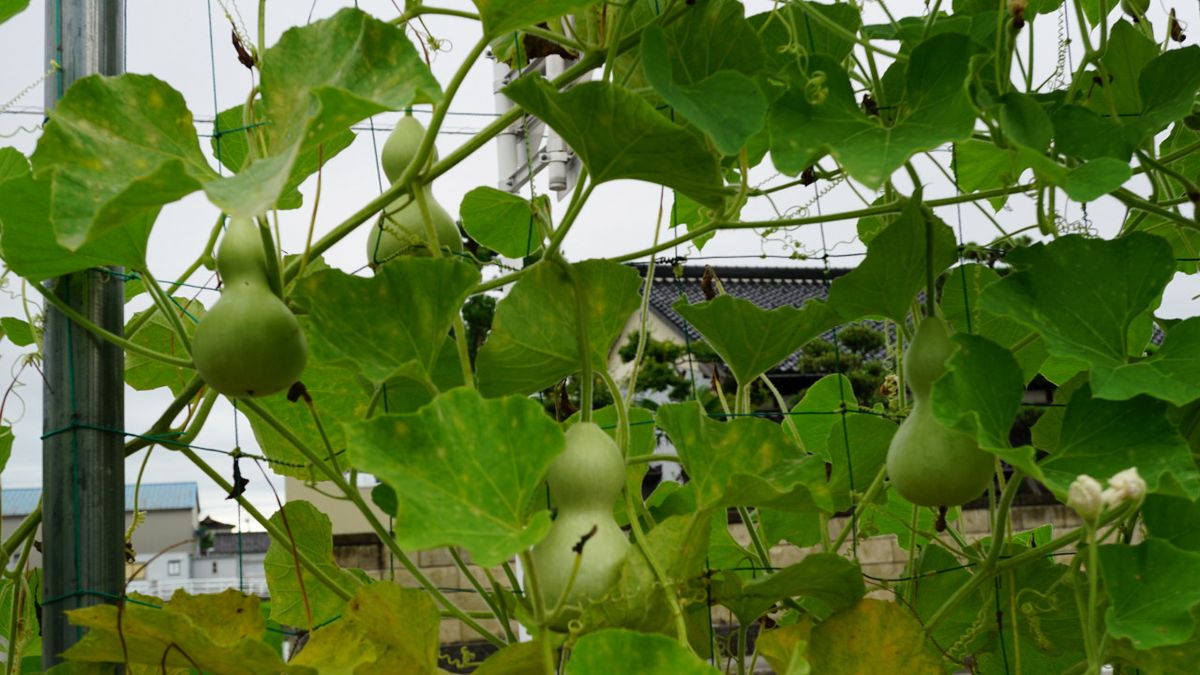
[173,548]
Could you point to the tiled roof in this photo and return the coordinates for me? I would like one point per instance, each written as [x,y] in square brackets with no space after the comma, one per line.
[226,543]
[152,497]
[766,287]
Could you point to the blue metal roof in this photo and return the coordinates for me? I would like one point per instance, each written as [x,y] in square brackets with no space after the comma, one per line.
[152,497]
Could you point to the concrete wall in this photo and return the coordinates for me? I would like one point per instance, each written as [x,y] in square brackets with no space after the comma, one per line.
[226,566]
[346,517]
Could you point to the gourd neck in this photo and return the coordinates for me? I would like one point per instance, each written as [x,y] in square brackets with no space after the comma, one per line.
[240,257]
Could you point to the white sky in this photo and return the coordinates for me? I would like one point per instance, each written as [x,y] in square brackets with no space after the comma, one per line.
[171,41]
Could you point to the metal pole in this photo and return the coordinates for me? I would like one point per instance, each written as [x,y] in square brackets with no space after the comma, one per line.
[83,469]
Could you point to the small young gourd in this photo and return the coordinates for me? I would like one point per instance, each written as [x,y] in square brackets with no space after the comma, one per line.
[928,463]
[401,228]
[585,481]
[249,343]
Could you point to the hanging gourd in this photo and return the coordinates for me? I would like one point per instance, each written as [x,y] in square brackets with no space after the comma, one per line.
[928,463]
[249,343]
[400,229]
[585,482]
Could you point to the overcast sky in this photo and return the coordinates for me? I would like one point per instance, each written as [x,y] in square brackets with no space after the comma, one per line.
[171,40]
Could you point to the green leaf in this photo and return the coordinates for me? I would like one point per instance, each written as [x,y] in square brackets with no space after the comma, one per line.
[1151,592]
[6,442]
[741,462]
[752,340]
[312,536]
[31,250]
[623,651]
[1023,120]
[503,16]
[1079,132]
[778,26]
[219,633]
[339,395]
[1167,85]
[17,331]
[833,580]
[981,166]
[1128,51]
[395,320]
[1102,437]
[689,212]
[986,413]
[821,114]
[960,306]
[1174,520]
[469,468]
[618,134]
[158,333]
[1085,312]
[858,446]
[819,410]
[385,628]
[785,648]
[502,221]
[1096,178]
[873,636]
[11,8]
[116,150]
[13,164]
[230,146]
[888,280]
[726,105]
[518,658]
[1172,373]
[534,339]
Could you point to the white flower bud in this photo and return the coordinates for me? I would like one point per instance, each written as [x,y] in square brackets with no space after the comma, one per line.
[1125,486]
[1085,496]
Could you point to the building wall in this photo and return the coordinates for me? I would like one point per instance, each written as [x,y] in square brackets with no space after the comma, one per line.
[160,530]
[346,517]
[224,566]
[656,327]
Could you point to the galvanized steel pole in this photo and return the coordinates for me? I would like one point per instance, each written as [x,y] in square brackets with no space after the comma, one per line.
[83,464]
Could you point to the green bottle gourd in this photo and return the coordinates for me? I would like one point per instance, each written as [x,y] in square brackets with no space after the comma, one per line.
[585,481]
[401,228]
[249,343]
[928,463]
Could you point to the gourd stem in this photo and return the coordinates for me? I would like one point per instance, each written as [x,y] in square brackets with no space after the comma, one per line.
[918,191]
[644,315]
[165,305]
[420,10]
[108,336]
[271,257]
[1093,579]
[163,423]
[316,418]
[270,527]
[18,600]
[356,497]
[561,603]
[435,248]
[756,538]
[740,657]
[474,581]
[135,325]
[632,486]
[583,191]
[868,496]
[639,538]
[28,528]
[788,423]
[502,614]
[534,590]
[646,459]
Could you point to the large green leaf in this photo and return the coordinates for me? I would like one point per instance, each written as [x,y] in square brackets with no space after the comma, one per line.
[116,150]
[1172,373]
[1128,51]
[751,340]
[12,164]
[503,222]
[395,320]
[218,633]
[857,446]
[385,628]
[1167,86]
[873,636]
[819,410]
[467,471]
[29,245]
[980,166]
[230,145]
[961,307]
[827,577]
[158,333]
[819,114]
[959,402]
[787,33]
[1085,312]
[1101,437]
[534,340]
[339,394]
[298,598]
[502,16]
[888,280]
[624,651]
[1152,590]
[11,8]
[726,105]
[741,462]
[1174,520]
[618,134]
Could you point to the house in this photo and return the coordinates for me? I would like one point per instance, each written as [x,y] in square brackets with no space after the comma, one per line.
[168,545]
